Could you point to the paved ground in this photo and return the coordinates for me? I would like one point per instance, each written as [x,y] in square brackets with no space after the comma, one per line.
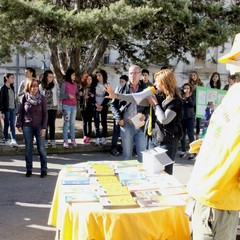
[25,202]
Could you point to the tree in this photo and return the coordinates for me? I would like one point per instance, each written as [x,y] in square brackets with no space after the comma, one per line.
[78,32]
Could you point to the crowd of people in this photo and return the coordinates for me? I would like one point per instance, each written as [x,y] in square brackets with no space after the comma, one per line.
[169,115]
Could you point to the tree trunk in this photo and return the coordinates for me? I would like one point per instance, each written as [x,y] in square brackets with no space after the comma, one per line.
[55,61]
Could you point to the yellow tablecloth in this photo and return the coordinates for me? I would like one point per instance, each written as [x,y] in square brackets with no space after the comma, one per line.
[88,221]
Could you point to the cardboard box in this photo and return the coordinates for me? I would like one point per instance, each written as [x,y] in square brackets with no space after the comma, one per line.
[155,159]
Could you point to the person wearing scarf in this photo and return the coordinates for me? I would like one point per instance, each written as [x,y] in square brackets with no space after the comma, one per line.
[32,121]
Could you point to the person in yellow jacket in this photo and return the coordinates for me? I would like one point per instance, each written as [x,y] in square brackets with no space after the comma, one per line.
[214,185]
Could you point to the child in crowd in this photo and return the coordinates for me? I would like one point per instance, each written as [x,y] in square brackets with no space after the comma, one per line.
[86,106]
[101,106]
[188,118]
[68,95]
[50,89]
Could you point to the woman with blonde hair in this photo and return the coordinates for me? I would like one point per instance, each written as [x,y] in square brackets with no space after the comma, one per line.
[167,106]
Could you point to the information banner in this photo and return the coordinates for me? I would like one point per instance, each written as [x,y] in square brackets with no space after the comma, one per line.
[206,95]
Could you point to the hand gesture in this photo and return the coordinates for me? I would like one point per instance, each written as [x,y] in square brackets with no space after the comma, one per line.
[110,91]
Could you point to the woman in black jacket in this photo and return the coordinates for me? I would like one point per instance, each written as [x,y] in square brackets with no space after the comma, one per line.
[188,117]
[8,109]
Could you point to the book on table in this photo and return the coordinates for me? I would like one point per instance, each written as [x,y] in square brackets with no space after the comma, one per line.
[79,180]
[141,185]
[81,197]
[76,167]
[125,177]
[126,164]
[147,193]
[100,169]
[160,201]
[123,201]
[112,190]
[104,180]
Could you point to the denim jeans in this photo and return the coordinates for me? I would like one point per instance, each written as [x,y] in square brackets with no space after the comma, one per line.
[52,114]
[116,134]
[103,115]
[188,129]
[69,117]
[87,116]
[9,120]
[28,133]
[1,130]
[130,135]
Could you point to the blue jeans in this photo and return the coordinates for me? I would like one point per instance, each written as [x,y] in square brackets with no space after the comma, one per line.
[103,115]
[28,133]
[69,117]
[9,120]
[116,134]
[188,129]
[130,135]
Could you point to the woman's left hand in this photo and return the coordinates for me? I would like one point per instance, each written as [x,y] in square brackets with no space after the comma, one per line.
[42,133]
[152,100]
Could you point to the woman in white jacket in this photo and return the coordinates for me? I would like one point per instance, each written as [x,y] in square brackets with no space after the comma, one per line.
[50,89]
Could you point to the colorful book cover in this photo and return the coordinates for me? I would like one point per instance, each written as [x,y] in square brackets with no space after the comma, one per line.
[80,180]
[76,189]
[104,179]
[75,167]
[141,185]
[144,194]
[124,201]
[160,201]
[127,163]
[83,197]
[100,169]
[112,190]
[125,177]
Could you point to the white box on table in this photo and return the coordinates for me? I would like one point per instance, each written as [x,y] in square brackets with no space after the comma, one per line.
[155,159]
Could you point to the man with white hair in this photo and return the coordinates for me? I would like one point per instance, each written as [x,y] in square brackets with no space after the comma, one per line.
[123,112]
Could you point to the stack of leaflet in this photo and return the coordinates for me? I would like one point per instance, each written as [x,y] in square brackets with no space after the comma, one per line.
[100,169]
[76,185]
[127,166]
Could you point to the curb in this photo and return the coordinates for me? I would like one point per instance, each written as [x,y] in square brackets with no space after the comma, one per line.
[81,148]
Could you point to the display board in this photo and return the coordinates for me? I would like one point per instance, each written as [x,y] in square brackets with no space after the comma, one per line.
[204,96]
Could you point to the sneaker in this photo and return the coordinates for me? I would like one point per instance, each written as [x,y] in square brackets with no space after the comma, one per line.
[114,152]
[182,154]
[87,140]
[53,144]
[97,142]
[14,143]
[192,157]
[65,144]
[8,143]
[103,140]
[84,139]
[74,144]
